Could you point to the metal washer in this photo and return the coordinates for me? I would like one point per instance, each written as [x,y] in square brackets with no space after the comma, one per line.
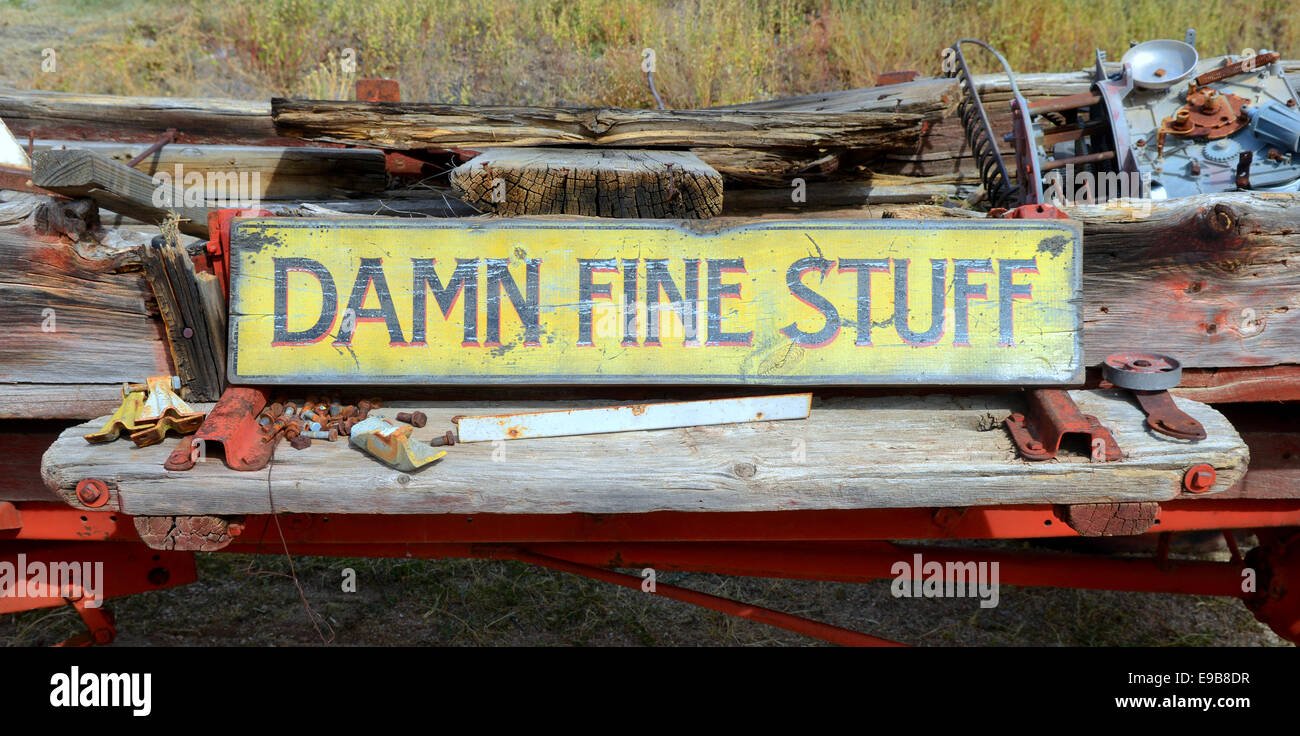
[1142,371]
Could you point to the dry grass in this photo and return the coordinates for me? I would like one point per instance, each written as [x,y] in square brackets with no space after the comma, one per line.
[708,52]
[477,603]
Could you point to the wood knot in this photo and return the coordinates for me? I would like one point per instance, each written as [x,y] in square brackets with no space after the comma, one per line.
[745,470]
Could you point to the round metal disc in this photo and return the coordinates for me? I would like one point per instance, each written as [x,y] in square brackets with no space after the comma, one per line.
[1142,371]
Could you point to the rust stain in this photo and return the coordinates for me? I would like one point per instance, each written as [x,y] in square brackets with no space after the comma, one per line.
[638,409]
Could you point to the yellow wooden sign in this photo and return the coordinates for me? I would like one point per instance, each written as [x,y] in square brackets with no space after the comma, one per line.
[618,301]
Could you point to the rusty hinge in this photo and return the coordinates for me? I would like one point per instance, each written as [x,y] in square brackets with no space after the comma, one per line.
[1053,414]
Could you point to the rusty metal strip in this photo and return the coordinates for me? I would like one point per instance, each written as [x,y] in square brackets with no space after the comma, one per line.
[232,426]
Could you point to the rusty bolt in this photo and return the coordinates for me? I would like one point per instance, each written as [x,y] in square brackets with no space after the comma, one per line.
[93,492]
[299,442]
[446,439]
[1199,478]
[329,436]
[336,409]
[415,418]
[376,403]
[275,409]
[292,429]
[348,411]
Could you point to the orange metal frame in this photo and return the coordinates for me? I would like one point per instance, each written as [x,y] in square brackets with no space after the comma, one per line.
[845,546]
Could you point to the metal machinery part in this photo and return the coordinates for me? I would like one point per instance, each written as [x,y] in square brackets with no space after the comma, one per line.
[1142,371]
[1150,376]
[981,138]
[1165,124]
[1188,139]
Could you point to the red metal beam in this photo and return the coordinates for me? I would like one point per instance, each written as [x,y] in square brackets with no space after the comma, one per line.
[52,521]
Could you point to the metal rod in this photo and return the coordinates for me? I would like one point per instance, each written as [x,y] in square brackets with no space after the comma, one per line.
[1087,158]
[789,622]
[164,139]
[1061,104]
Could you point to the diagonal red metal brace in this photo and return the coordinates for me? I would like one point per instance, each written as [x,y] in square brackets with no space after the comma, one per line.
[797,624]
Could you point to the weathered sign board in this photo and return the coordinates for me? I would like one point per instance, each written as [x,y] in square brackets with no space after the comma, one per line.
[543,301]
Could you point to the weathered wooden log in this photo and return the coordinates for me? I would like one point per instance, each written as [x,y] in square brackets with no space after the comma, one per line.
[1212,279]
[275,172]
[78,324]
[889,452]
[587,181]
[400,125]
[76,116]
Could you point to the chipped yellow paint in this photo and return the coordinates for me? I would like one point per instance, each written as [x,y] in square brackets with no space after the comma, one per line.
[774,303]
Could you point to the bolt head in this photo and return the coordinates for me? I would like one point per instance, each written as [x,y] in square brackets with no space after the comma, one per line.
[92,492]
[1199,478]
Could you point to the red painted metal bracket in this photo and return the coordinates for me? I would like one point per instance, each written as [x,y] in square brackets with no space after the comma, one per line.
[218,247]
[1052,415]
[232,426]
[119,569]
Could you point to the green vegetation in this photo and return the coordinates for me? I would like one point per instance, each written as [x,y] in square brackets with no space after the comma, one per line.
[708,52]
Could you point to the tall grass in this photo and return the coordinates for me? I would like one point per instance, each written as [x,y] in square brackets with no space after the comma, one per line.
[708,52]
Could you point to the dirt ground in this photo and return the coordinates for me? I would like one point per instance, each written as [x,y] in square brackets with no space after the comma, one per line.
[246,600]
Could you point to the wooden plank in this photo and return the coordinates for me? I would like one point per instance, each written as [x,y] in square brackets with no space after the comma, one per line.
[282,173]
[406,125]
[113,186]
[1211,279]
[587,181]
[589,301]
[175,288]
[75,314]
[894,452]
[80,401]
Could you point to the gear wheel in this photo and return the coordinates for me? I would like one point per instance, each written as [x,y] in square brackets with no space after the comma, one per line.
[1221,151]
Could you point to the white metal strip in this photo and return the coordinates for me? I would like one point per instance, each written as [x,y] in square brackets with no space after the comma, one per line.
[633,418]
